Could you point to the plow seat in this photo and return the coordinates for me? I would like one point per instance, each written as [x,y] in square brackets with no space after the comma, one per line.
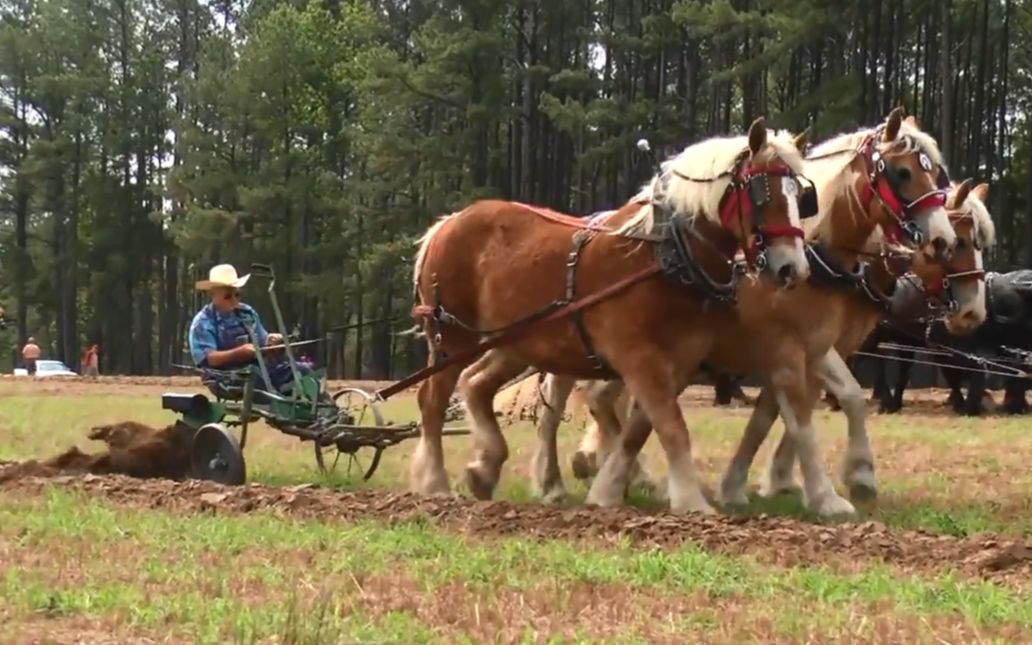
[191,404]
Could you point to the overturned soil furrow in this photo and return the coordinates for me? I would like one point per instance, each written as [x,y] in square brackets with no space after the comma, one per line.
[775,540]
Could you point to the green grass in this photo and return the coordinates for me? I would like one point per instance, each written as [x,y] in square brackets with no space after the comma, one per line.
[248,578]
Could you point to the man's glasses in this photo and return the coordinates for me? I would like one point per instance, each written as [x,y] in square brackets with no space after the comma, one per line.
[231,295]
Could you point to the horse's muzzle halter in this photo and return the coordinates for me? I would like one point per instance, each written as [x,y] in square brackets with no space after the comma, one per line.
[748,193]
[883,184]
[942,294]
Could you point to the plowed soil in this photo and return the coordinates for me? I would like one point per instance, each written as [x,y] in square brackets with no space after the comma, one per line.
[780,541]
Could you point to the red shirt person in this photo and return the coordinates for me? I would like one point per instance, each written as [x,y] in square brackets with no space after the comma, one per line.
[30,354]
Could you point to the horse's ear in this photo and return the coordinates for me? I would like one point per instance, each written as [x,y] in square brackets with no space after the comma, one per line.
[963,190]
[757,135]
[981,191]
[892,124]
[800,140]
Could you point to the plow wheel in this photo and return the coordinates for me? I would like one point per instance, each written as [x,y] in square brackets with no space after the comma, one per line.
[215,455]
[361,409]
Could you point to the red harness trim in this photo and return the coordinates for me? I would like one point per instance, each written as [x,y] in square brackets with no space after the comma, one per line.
[588,223]
[737,202]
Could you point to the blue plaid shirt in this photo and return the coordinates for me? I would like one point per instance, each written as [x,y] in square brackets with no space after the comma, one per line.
[212,330]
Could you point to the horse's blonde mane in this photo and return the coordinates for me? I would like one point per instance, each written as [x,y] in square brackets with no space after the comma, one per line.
[985,229]
[705,160]
[831,177]
[424,243]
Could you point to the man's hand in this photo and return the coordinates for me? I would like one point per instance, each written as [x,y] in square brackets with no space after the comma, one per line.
[241,354]
[274,339]
[245,352]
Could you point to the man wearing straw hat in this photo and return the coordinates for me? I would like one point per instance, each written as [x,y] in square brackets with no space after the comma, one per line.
[219,339]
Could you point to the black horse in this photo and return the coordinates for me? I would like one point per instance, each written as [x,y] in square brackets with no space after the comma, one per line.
[1008,325]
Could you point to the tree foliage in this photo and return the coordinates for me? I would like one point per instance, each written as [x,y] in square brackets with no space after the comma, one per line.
[142,141]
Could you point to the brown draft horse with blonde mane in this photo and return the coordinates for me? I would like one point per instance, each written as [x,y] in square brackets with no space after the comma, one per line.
[847,171]
[496,265]
[962,301]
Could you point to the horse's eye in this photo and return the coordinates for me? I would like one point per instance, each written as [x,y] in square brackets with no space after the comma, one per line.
[903,173]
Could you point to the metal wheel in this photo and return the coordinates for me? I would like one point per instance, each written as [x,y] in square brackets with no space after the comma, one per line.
[363,409]
[215,455]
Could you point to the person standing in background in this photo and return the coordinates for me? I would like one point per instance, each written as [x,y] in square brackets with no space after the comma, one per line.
[91,361]
[30,354]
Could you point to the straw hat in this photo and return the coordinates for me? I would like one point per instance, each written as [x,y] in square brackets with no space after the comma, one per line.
[223,275]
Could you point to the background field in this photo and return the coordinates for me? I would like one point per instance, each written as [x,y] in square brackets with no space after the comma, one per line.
[123,563]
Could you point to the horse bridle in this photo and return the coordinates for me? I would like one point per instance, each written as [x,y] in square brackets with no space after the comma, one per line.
[883,183]
[943,295]
[746,195]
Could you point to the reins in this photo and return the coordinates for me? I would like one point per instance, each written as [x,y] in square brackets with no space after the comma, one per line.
[517,330]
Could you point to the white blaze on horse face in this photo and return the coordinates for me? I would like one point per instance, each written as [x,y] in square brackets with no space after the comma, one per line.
[791,190]
[937,225]
[787,252]
[978,307]
[971,311]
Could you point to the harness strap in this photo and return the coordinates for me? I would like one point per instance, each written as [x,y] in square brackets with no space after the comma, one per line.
[677,262]
[516,331]
[580,240]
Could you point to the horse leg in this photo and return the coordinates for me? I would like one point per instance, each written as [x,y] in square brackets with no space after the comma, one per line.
[796,395]
[732,485]
[656,407]
[479,383]
[858,465]
[976,392]
[610,416]
[722,389]
[902,380]
[598,439]
[548,481]
[427,473]
[955,381]
[881,390]
[1014,401]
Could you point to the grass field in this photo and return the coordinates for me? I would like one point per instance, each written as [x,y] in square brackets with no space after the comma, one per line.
[93,568]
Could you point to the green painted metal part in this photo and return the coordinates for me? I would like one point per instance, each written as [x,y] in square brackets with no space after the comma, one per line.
[213,412]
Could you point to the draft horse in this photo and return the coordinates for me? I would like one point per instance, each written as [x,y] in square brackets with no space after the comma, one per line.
[854,175]
[965,303]
[954,290]
[488,267]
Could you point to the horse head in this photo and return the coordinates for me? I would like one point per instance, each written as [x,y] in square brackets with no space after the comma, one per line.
[958,284]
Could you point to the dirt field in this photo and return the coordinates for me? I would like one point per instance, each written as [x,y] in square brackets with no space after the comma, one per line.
[944,555]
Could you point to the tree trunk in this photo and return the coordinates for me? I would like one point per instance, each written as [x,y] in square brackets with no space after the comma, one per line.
[946,79]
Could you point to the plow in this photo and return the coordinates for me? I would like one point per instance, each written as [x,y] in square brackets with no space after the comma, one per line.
[346,426]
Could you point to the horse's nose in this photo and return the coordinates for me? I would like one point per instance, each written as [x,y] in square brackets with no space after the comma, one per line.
[787,274]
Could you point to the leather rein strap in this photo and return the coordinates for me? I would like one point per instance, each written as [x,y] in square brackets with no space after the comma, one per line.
[515,331]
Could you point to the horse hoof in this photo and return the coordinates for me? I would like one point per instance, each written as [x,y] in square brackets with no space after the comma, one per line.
[863,492]
[832,505]
[583,465]
[554,495]
[433,490]
[693,506]
[479,486]
[733,497]
[777,489]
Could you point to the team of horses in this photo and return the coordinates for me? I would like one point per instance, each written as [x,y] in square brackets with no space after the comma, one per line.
[749,255]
